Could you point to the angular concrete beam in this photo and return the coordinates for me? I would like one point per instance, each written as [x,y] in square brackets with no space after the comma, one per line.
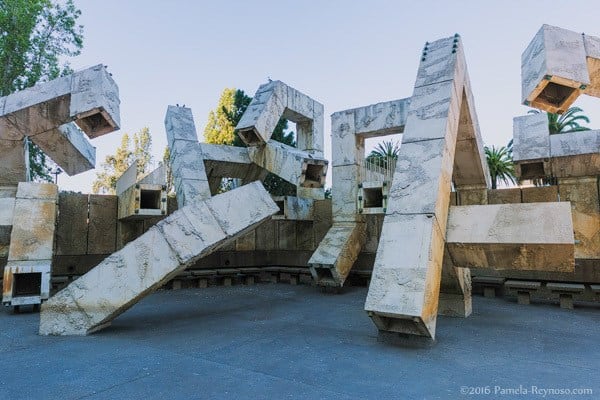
[295,166]
[404,291]
[145,264]
[12,154]
[538,154]
[68,148]
[187,166]
[90,98]
[531,236]
[295,208]
[31,243]
[331,263]
[557,66]
[275,100]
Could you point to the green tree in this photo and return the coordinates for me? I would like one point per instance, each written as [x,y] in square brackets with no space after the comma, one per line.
[220,129]
[566,122]
[35,35]
[114,165]
[500,165]
[385,150]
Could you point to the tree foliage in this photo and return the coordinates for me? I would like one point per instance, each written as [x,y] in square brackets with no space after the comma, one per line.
[500,164]
[115,164]
[35,35]
[220,129]
[387,149]
[569,121]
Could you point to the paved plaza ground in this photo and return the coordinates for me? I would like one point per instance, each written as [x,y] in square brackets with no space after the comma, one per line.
[277,341]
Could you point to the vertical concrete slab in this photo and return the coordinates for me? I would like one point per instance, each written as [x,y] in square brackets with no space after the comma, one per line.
[72,226]
[102,228]
[539,194]
[504,196]
[122,279]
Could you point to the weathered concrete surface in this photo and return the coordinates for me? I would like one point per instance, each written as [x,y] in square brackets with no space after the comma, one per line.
[298,167]
[189,174]
[538,154]
[295,208]
[89,98]
[404,291]
[533,236]
[331,263]
[554,69]
[583,195]
[118,282]
[142,198]
[7,206]
[275,100]
[31,240]
[13,168]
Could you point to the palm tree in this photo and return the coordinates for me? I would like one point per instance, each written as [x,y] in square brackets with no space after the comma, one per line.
[500,165]
[566,122]
[385,150]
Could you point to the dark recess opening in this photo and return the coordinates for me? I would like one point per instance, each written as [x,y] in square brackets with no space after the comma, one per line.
[532,170]
[324,275]
[250,137]
[150,199]
[372,197]
[94,124]
[280,205]
[28,284]
[312,176]
[555,94]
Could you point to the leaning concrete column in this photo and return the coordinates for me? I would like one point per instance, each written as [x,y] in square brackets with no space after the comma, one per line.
[145,264]
[404,289]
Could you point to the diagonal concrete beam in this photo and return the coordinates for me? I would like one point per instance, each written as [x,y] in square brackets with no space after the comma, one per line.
[145,264]
[189,174]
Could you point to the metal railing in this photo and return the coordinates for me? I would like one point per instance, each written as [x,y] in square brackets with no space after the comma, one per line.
[377,169]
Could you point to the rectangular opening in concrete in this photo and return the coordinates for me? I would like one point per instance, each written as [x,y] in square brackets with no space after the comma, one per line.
[280,204]
[532,170]
[27,284]
[372,197]
[555,95]
[250,137]
[150,199]
[313,176]
[95,124]
[324,275]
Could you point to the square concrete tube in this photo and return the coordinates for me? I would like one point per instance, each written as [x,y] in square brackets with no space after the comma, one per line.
[275,100]
[295,166]
[331,263]
[532,236]
[145,264]
[557,66]
[538,154]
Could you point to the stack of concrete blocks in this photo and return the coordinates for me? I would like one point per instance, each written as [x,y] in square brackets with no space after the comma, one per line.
[143,198]
[419,247]
[27,273]
[46,112]
[53,115]
[557,67]
[304,165]
[145,264]
[332,261]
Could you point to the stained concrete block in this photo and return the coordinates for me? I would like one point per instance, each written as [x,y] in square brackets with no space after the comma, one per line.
[68,148]
[88,97]
[142,266]
[331,263]
[536,236]
[345,191]
[585,209]
[127,179]
[405,283]
[441,60]
[13,168]
[467,197]
[554,69]
[531,138]
[422,179]
[102,228]
[575,154]
[504,196]
[386,118]
[539,194]
[262,115]
[295,208]
[34,221]
[72,226]
[347,148]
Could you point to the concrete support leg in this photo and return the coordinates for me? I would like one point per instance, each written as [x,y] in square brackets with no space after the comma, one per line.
[523,297]
[489,292]
[145,264]
[566,301]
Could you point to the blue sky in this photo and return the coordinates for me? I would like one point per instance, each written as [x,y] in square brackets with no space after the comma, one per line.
[342,53]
